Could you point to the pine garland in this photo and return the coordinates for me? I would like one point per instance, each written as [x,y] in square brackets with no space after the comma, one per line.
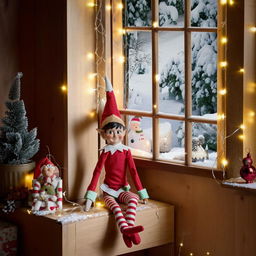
[17,144]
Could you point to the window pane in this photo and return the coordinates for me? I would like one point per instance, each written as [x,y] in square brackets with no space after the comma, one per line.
[171,13]
[138,77]
[140,136]
[171,139]
[204,13]
[204,144]
[138,13]
[171,70]
[204,74]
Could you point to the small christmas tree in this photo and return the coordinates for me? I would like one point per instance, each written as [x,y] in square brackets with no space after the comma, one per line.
[17,144]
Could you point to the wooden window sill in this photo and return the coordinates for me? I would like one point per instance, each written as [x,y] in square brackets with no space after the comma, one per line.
[239,184]
[179,168]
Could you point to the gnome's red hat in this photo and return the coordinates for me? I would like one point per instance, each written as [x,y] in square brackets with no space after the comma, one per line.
[39,165]
[111,112]
[136,120]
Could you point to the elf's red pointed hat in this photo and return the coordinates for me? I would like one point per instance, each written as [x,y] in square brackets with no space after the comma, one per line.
[39,165]
[111,112]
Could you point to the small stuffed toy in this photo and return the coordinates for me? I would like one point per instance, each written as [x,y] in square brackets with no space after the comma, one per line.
[47,187]
[117,158]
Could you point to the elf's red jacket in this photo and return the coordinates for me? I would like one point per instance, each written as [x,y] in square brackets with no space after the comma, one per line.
[116,165]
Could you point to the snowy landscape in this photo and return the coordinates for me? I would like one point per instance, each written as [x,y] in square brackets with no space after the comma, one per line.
[171,78]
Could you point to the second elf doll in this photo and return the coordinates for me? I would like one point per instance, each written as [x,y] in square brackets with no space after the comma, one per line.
[117,158]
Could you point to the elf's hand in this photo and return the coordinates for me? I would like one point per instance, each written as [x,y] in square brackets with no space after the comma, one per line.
[145,201]
[88,205]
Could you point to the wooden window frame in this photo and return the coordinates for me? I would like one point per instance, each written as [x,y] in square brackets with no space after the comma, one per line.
[114,20]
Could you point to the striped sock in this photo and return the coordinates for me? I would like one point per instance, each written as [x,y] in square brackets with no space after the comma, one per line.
[115,208]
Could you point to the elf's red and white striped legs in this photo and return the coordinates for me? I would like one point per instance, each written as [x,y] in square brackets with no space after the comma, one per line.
[131,200]
[126,224]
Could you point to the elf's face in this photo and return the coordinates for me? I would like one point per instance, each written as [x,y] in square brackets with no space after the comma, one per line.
[113,136]
[48,170]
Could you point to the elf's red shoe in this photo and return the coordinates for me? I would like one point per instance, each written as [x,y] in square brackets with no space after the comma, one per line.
[135,238]
[127,240]
[132,230]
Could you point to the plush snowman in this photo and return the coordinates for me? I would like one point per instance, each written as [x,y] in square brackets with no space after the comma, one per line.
[136,137]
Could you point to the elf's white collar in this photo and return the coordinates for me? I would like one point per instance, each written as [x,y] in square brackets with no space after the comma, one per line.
[113,148]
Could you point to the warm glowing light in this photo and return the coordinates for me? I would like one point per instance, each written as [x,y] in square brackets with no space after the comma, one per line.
[108,7]
[155,106]
[191,254]
[241,136]
[224,162]
[241,70]
[28,211]
[90,56]
[92,76]
[242,126]
[207,253]
[92,114]
[223,92]
[224,40]
[253,29]
[121,59]
[223,64]
[99,204]
[221,116]
[64,88]
[231,2]
[223,2]
[91,4]
[120,6]
[157,78]
[155,24]
[122,31]
[251,113]
[28,180]
[59,215]
[181,244]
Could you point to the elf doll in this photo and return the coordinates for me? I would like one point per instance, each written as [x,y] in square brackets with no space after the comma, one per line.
[117,158]
[47,187]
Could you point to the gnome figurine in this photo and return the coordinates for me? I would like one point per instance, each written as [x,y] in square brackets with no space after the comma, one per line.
[47,187]
[117,158]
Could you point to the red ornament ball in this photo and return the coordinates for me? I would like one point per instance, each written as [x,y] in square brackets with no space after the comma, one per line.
[248,171]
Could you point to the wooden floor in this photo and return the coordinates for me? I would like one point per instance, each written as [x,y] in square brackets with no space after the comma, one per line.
[96,235]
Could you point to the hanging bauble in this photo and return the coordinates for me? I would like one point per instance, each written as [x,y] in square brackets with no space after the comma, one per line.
[248,171]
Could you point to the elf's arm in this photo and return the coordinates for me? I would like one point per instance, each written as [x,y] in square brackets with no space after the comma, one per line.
[90,193]
[136,179]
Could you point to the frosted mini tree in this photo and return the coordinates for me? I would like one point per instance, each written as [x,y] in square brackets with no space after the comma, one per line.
[17,144]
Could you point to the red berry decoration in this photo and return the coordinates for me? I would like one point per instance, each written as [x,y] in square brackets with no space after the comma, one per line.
[248,171]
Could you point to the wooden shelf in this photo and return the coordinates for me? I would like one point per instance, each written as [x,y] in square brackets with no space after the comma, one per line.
[41,235]
[239,184]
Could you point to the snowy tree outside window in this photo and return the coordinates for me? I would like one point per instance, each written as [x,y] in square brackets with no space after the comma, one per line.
[147,50]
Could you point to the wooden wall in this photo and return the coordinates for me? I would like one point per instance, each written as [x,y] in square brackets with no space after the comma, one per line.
[8,47]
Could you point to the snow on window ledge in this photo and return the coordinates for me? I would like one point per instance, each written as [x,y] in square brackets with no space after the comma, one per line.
[240,184]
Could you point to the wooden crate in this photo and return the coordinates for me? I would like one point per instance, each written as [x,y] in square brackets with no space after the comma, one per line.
[97,235]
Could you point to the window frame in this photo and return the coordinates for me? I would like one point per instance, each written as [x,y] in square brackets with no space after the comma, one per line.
[117,72]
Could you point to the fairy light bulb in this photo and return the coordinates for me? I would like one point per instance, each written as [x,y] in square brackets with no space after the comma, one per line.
[224,40]
[242,126]
[241,70]
[181,244]
[99,204]
[90,55]
[91,4]
[191,254]
[108,7]
[207,253]
[155,24]
[241,137]
[224,162]
[122,31]
[253,29]
[231,2]
[223,2]
[251,113]
[223,64]
[64,88]
[120,6]
[121,59]
[223,92]
[92,114]
[92,76]
[155,106]
[157,78]
[221,116]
